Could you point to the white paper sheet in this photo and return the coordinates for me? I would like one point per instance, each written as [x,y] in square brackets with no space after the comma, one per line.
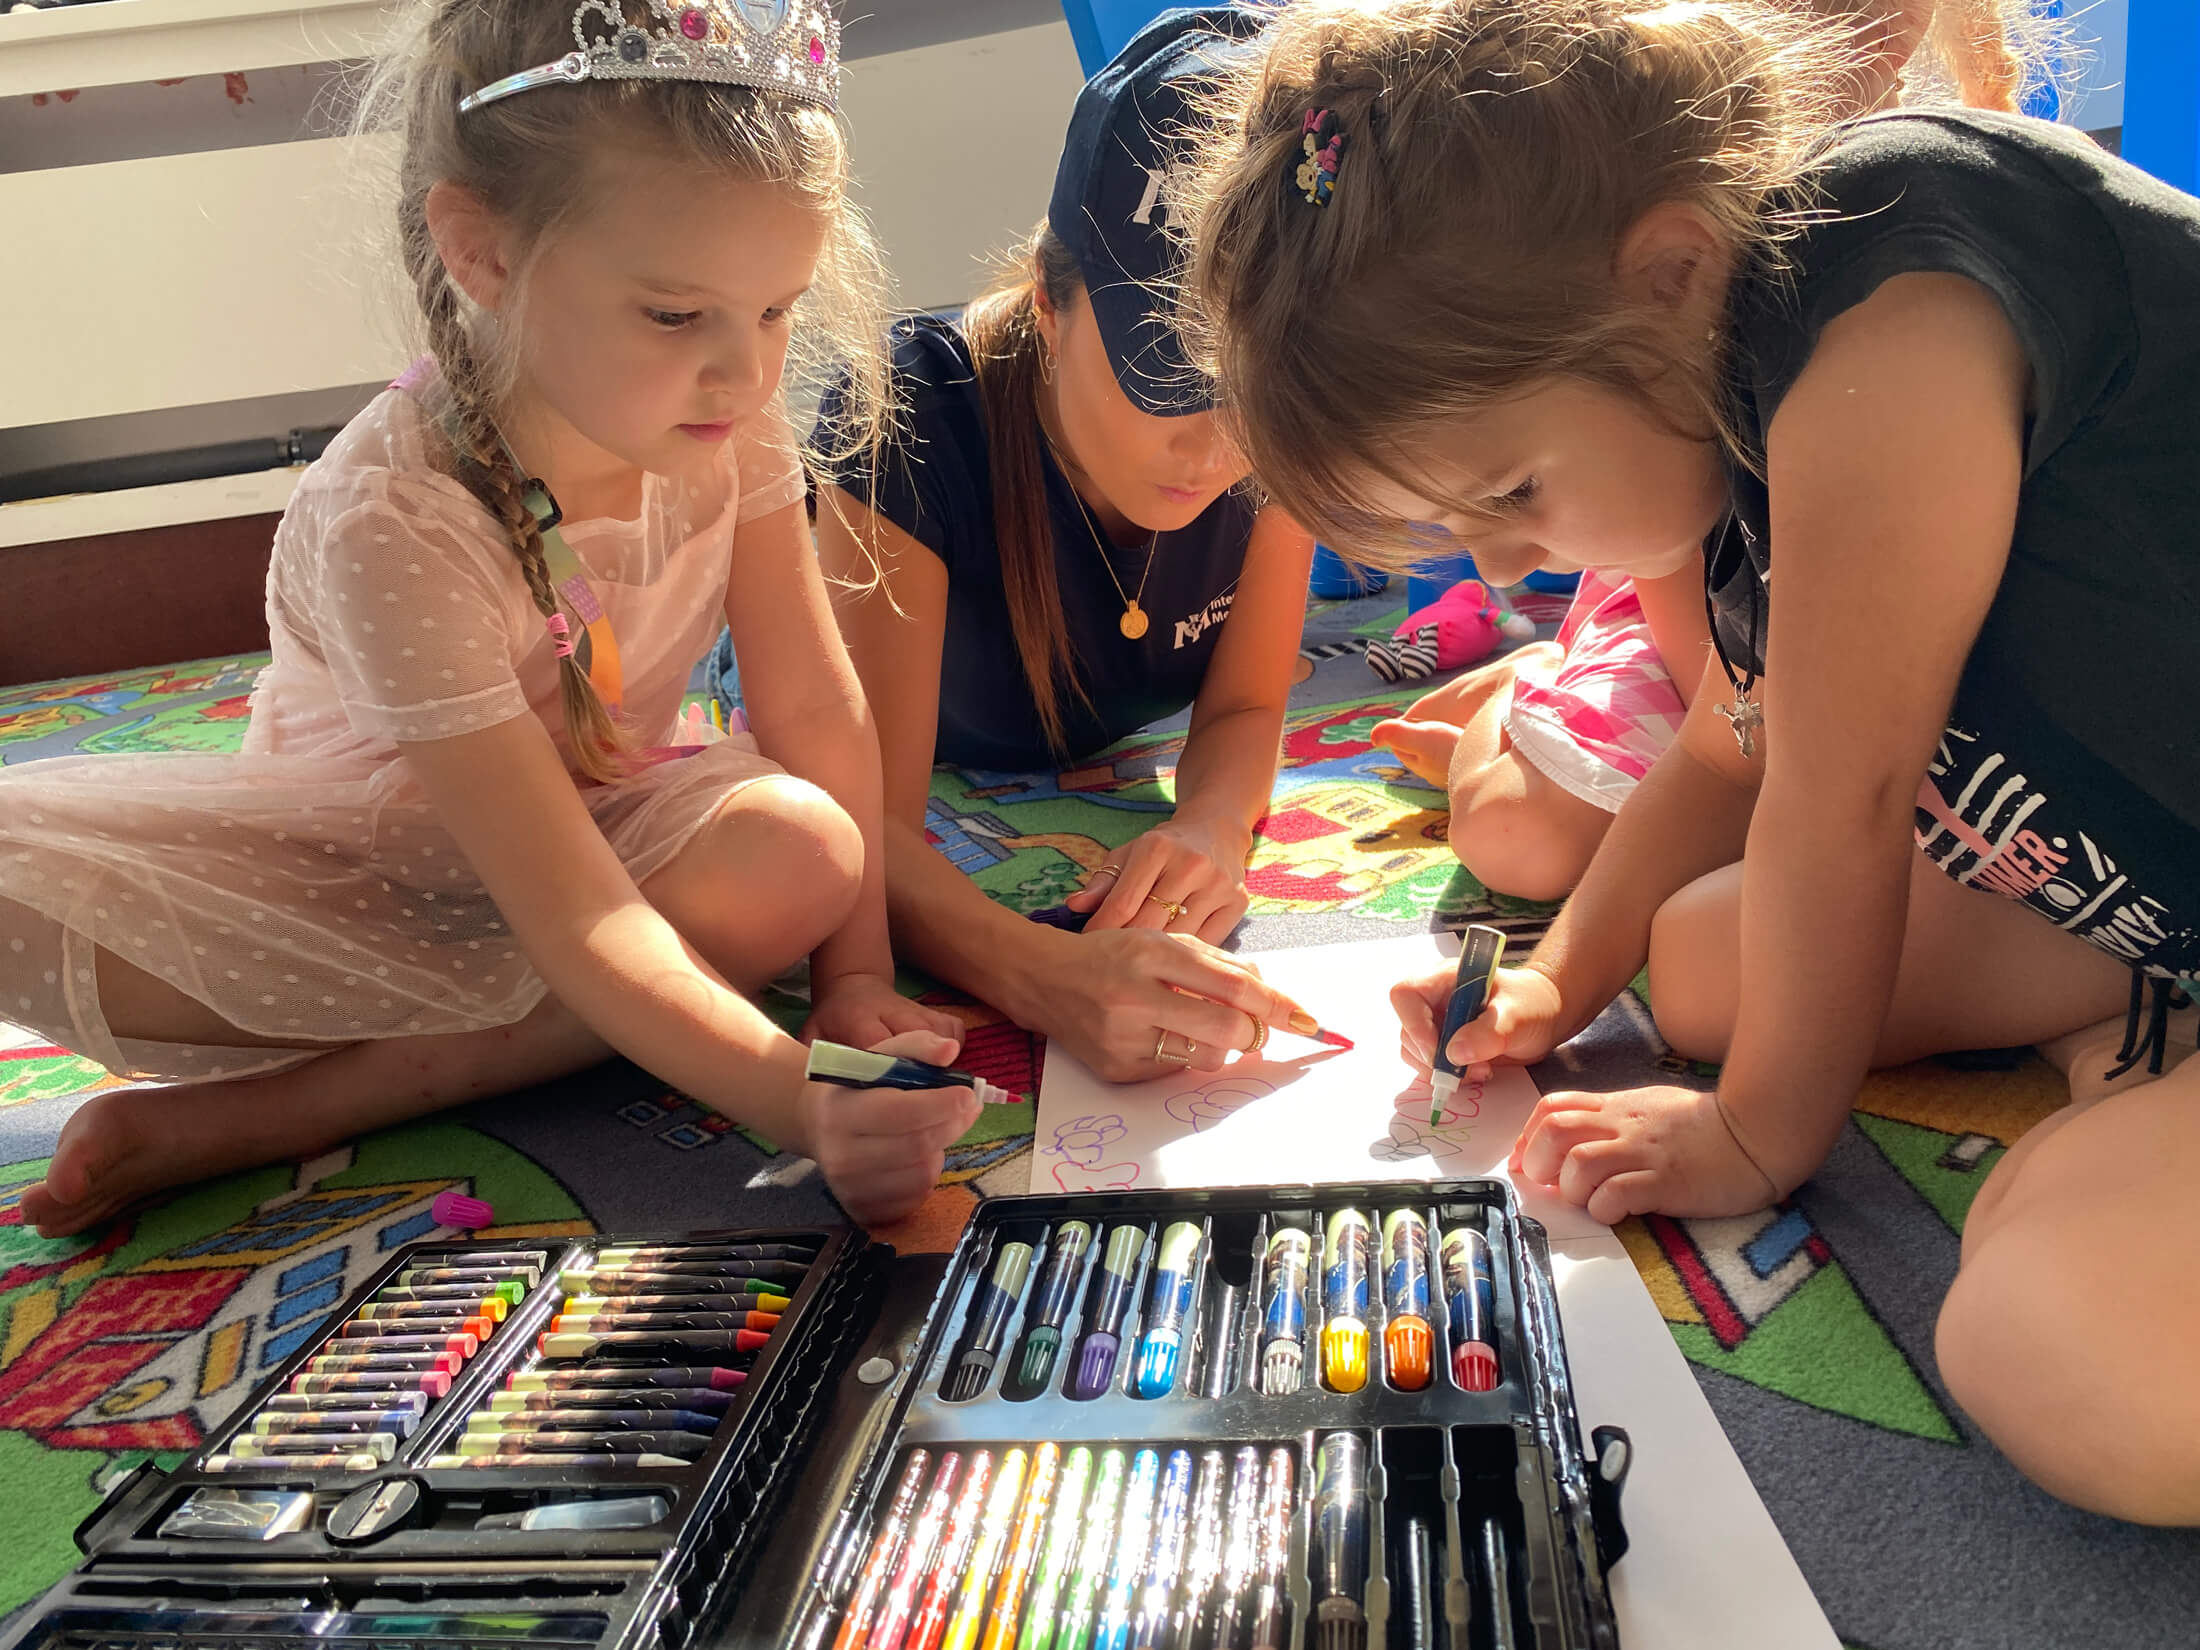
[1304,1112]
[1706,1568]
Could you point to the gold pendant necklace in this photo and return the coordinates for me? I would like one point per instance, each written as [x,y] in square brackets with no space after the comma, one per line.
[1133,624]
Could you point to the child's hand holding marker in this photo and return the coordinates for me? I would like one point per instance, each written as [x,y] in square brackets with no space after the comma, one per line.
[1519,1014]
[879,1122]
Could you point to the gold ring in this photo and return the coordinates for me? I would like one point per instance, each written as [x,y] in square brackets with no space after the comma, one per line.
[1260,1032]
[1162,1054]
[1169,905]
[1109,871]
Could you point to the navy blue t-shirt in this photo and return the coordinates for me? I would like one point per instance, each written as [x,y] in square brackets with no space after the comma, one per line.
[2069,772]
[936,485]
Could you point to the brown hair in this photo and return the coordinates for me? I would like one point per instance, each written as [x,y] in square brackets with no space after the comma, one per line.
[527,159]
[1002,328]
[1544,128]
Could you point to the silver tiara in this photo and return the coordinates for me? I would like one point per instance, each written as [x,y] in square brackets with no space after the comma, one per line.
[790,46]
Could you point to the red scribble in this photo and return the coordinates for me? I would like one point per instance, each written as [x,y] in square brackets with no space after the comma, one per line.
[234,85]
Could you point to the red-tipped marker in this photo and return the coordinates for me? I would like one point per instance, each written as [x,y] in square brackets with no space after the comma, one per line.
[1474,1367]
[1335,1039]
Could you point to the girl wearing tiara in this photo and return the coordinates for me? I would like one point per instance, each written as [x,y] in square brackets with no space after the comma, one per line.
[1598,283]
[460,852]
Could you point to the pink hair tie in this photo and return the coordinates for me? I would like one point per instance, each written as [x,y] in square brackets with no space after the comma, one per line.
[561,634]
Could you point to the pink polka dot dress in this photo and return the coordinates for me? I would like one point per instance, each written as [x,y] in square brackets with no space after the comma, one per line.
[304,889]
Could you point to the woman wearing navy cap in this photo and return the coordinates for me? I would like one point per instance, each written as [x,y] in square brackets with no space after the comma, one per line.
[1067,556]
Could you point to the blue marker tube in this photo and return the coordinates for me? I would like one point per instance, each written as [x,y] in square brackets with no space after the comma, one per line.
[1481,949]
[1407,1343]
[1471,1308]
[860,1068]
[1345,1262]
[1067,1259]
[1283,1311]
[1096,1353]
[1132,1532]
[1168,1304]
[1165,1563]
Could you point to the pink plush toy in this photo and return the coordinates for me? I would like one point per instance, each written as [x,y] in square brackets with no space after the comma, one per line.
[1464,624]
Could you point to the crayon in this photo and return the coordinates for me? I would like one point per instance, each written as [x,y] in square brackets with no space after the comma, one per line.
[989,1313]
[1023,1548]
[687,1445]
[803,1252]
[1408,1344]
[893,1529]
[930,1621]
[582,1306]
[1481,949]
[747,1274]
[584,1419]
[495,1308]
[1081,1594]
[1272,1595]
[495,1257]
[1203,1554]
[1096,1353]
[1156,1598]
[991,1546]
[390,1363]
[511,1293]
[1470,1291]
[1059,1284]
[379,1419]
[611,1375]
[703,1399]
[246,1445]
[630,1323]
[1042,1598]
[1168,1305]
[1340,1540]
[490,1280]
[459,1341]
[899,1602]
[641,1342]
[564,1463]
[1241,1552]
[384,1330]
[433,1382]
[295,1402]
[1133,1539]
[1344,1292]
[353,1461]
[1283,1311]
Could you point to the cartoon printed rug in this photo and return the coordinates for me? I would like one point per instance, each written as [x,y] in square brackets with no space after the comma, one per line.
[1810,1327]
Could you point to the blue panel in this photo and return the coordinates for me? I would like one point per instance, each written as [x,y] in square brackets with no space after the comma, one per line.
[276,1348]
[313,1303]
[2162,91]
[311,1271]
[404,1231]
[1775,1246]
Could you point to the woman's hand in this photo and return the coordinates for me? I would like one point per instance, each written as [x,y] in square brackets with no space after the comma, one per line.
[863,1009]
[882,1150]
[1641,1151]
[1519,1024]
[1186,876]
[1112,996]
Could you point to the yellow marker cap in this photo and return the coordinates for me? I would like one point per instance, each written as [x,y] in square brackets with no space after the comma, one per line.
[1344,1355]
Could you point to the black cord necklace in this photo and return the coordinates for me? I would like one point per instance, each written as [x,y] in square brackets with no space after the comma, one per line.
[1744,713]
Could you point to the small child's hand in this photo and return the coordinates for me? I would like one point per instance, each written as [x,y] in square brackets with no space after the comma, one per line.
[882,1149]
[1641,1151]
[862,1010]
[1518,1025]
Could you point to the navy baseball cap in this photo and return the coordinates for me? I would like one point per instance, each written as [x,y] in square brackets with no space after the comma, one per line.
[1130,122]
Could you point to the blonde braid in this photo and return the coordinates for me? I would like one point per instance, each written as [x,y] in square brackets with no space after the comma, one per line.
[484,466]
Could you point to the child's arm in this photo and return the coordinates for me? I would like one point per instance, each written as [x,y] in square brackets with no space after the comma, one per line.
[609,955]
[809,715]
[1672,605]
[1227,773]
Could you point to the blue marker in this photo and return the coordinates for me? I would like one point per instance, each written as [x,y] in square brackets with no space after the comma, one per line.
[1471,1306]
[1168,1304]
[1283,1312]
[1481,949]
[1132,1532]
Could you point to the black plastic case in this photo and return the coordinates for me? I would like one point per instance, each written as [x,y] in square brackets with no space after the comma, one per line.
[767,1528]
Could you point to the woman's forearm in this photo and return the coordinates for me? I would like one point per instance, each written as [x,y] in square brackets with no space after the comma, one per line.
[1227,774]
[945,923]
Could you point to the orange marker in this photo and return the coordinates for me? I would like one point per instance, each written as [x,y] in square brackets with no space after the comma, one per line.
[1408,1345]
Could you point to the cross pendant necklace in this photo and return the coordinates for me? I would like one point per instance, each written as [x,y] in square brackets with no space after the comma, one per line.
[1744,714]
[1747,716]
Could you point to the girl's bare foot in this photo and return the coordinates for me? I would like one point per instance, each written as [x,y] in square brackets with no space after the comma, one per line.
[127,1144]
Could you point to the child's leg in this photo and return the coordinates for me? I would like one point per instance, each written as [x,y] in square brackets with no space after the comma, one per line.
[1518,830]
[2069,1334]
[774,872]
[1977,971]
[1431,731]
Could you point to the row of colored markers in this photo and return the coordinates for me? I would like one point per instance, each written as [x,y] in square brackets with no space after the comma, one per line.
[1079,1551]
[1424,1285]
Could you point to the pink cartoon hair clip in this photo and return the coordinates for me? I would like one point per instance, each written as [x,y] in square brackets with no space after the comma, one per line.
[1323,146]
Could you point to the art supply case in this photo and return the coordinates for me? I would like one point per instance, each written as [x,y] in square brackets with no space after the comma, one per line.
[767,1533]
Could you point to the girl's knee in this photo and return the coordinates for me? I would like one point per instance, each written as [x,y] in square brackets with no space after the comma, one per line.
[793,837]
[1695,966]
[2049,1350]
